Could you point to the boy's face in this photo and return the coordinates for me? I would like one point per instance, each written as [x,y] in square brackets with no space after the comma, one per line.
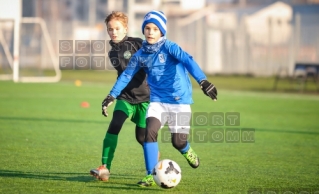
[116,30]
[152,33]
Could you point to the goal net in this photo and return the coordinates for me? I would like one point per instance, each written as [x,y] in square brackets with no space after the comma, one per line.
[26,50]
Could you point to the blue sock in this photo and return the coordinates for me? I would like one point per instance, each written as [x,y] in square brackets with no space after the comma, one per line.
[185,149]
[150,155]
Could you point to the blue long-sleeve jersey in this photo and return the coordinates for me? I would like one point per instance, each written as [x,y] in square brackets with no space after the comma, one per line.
[167,74]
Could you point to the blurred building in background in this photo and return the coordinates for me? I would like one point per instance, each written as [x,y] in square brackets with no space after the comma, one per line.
[255,37]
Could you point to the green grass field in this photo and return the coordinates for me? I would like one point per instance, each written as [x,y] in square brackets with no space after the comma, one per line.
[48,143]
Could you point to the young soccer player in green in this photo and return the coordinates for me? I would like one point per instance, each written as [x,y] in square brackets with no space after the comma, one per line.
[133,100]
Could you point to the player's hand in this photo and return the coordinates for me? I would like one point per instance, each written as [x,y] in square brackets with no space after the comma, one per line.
[209,89]
[108,100]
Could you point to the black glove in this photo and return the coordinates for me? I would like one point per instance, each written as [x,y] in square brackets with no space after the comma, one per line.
[106,103]
[209,89]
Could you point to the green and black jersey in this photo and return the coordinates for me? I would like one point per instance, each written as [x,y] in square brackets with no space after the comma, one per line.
[137,90]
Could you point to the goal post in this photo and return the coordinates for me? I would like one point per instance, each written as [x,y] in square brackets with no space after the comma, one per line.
[53,56]
[11,10]
[6,51]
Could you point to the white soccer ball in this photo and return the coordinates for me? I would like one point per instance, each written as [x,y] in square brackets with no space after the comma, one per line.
[167,174]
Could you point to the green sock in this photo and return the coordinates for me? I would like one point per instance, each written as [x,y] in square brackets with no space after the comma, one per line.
[109,146]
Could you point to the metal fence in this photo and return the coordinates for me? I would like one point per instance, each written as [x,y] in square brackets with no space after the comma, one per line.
[220,50]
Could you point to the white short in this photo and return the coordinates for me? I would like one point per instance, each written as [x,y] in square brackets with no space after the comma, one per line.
[177,116]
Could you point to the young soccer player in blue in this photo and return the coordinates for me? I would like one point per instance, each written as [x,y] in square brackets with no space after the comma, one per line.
[167,67]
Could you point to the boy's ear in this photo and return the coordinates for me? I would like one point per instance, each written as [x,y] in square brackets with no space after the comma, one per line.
[126,30]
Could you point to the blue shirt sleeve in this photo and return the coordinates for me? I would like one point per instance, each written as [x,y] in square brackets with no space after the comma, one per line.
[188,62]
[125,77]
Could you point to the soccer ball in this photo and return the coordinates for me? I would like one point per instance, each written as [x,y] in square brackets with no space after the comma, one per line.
[167,174]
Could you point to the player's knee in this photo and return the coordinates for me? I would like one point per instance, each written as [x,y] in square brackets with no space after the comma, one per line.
[117,122]
[115,127]
[153,125]
[179,140]
[151,136]
[140,140]
[179,144]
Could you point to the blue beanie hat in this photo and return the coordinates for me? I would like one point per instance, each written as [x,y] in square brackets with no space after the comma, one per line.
[156,17]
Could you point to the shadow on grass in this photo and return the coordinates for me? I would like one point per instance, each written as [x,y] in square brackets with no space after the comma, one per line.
[77,177]
[128,187]
[284,90]
[115,183]
[288,131]
[103,122]
[80,177]
[50,120]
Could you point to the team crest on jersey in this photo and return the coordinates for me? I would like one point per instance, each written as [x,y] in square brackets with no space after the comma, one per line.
[161,58]
[127,54]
